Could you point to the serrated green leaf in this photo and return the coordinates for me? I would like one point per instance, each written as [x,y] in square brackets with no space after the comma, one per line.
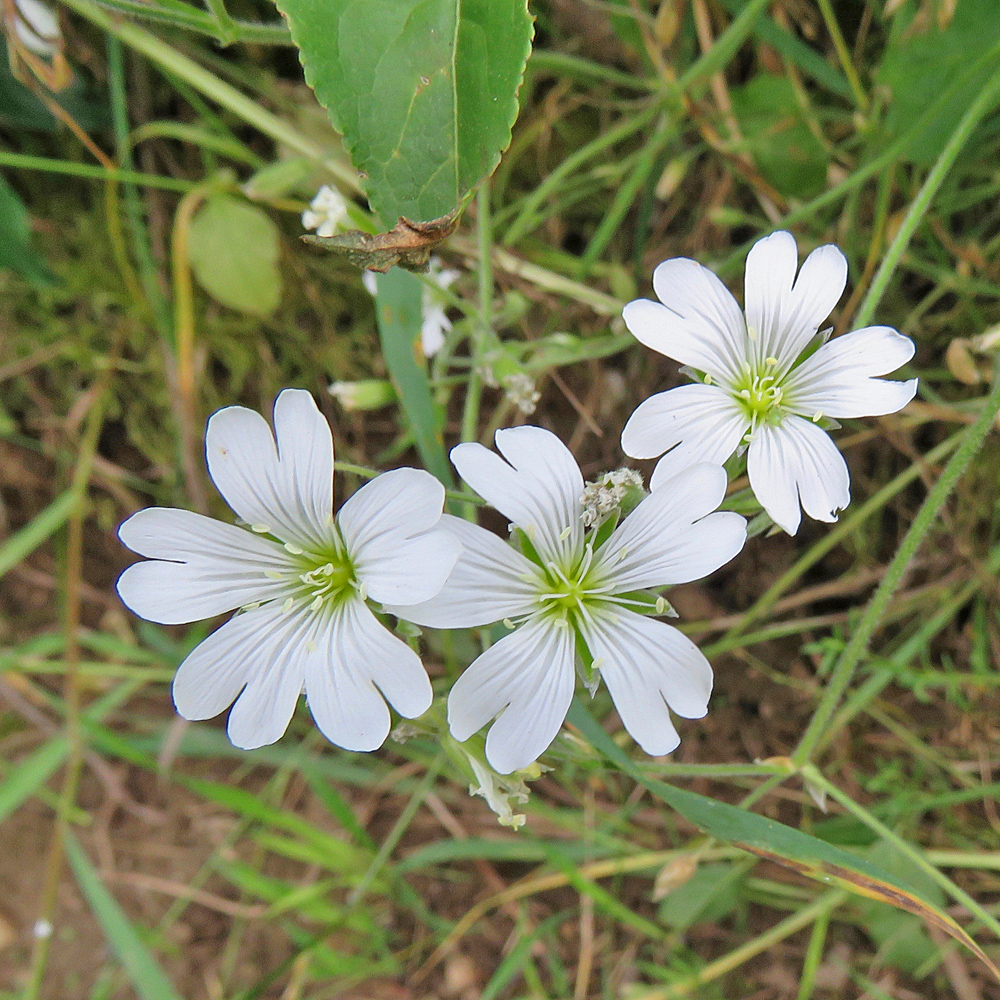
[233,248]
[147,977]
[424,91]
[16,252]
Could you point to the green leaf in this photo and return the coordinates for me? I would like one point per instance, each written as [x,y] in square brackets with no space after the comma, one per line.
[778,137]
[233,248]
[923,59]
[399,309]
[147,977]
[424,91]
[15,239]
[777,842]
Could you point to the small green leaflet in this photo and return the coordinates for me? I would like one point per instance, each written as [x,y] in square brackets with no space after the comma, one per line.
[234,255]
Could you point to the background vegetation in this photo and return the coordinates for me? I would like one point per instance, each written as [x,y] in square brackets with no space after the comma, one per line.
[150,284]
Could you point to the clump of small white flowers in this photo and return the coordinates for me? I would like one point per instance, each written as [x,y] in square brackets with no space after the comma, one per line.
[327,212]
[435,324]
[520,390]
[575,599]
[766,380]
[603,496]
[302,581]
[37,27]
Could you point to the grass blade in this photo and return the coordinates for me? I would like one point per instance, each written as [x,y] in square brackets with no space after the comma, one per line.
[147,977]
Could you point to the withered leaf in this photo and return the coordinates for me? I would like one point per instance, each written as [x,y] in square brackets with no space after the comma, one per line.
[408,244]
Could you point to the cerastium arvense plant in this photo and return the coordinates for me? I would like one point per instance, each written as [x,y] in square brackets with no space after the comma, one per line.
[488,611]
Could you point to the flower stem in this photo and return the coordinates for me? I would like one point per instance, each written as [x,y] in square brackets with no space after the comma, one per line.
[843,672]
[837,37]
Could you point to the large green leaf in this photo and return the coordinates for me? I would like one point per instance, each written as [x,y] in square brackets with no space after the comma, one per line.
[424,91]
[777,842]
[778,137]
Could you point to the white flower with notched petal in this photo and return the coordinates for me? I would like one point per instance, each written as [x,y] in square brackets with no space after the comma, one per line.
[301,578]
[766,381]
[327,212]
[575,593]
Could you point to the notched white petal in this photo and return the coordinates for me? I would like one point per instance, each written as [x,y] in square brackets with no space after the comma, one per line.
[793,463]
[538,487]
[357,666]
[648,666]
[282,481]
[673,537]
[391,527]
[490,582]
[207,567]
[527,678]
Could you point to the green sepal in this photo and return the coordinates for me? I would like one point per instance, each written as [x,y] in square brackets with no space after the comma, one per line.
[605,528]
[523,544]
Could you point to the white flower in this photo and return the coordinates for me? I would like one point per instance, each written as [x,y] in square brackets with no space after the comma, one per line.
[765,381]
[305,623]
[37,27]
[569,593]
[327,212]
[435,319]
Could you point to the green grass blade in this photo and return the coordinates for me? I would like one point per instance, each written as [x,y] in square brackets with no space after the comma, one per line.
[147,977]
[400,311]
[24,779]
[22,543]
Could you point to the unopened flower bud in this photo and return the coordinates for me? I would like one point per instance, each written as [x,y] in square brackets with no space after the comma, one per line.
[368,394]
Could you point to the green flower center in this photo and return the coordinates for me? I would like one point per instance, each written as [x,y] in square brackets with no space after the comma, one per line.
[325,579]
[568,591]
[761,396]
